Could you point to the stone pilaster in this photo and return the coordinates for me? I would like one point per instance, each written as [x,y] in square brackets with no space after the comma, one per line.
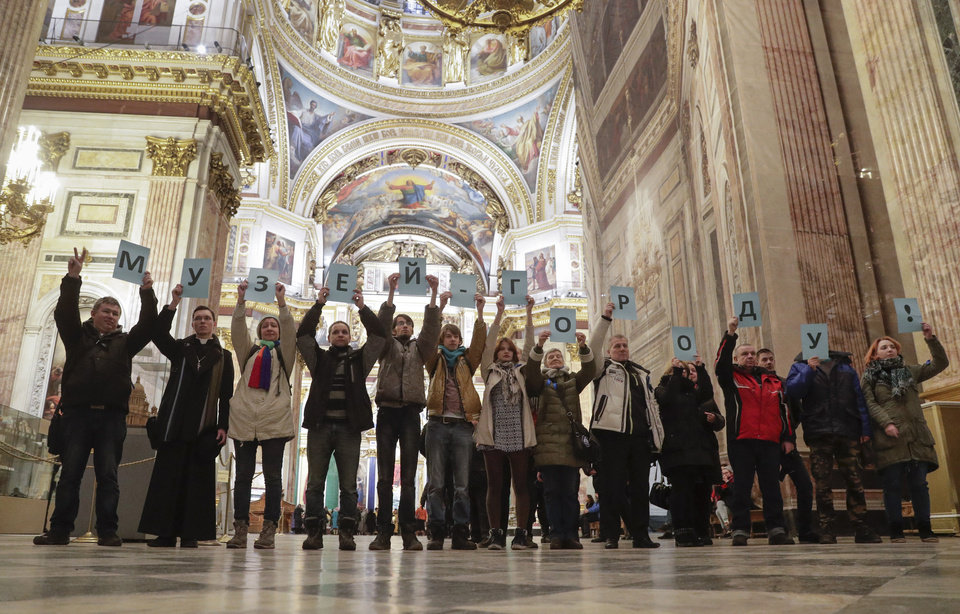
[17,263]
[20,25]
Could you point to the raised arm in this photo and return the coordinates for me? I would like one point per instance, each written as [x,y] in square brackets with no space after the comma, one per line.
[588,363]
[67,312]
[532,372]
[288,327]
[724,365]
[376,335]
[141,333]
[239,332]
[603,326]
[704,383]
[167,345]
[487,358]
[307,331]
[528,341]
[226,393]
[938,355]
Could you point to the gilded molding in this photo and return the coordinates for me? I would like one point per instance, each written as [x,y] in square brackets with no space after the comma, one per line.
[222,83]
[693,47]
[52,148]
[171,156]
[220,182]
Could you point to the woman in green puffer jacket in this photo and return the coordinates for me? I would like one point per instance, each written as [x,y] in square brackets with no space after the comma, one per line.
[902,440]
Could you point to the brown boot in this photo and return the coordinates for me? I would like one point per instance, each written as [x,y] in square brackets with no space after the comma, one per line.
[239,539]
[267,536]
[409,535]
[347,527]
[314,539]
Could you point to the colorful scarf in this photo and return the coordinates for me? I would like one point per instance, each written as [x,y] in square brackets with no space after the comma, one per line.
[452,355]
[890,371]
[260,374]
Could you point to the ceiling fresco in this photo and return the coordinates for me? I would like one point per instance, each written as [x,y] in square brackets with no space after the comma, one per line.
[406,197]
[311,119]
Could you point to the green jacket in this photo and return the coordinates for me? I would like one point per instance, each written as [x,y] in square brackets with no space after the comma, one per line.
[915,441]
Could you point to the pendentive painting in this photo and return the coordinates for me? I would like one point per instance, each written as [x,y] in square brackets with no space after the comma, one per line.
[422,65]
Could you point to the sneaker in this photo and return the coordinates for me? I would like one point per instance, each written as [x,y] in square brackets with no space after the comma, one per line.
[52,538]
[780,539]
[519,540]
[866,535]
[929,539]
[162,542]
[110,539]
[739,540]
[497,540]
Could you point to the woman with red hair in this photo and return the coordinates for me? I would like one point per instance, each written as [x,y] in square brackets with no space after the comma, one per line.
[902,441]
[505,432]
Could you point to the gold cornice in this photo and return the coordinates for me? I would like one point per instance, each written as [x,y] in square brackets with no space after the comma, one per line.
[220,182]
[327,152]
[171,156]
[386,97]
[223,83]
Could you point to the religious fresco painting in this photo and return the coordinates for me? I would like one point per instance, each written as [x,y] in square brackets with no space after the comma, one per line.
[519,132]
[303,17]
[422,64]
[153,19]
[356,48]
[542,35]
[631,110]
[541,265]
[278,253]
[407,197]
[604,29]
[311,118]
[488,57]
[193,30]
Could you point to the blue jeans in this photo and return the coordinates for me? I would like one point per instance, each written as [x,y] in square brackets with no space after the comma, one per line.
[561,485]
[401,424]
[449,448]
[343,442]
[916,474]
[103,431]
[272,463]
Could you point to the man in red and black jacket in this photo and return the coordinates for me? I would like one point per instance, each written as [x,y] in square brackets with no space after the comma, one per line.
[758,423]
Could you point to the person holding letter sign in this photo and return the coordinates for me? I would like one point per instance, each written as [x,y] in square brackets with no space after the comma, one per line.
[453,409]
[336,413]
[400,399]
[505,432]
[690,455]
[757,424]
[260,412]
[626,422]
[95,400]
[902,440]
[192,423]
[559,392]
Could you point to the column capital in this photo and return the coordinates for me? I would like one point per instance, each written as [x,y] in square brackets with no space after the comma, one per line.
[171,156]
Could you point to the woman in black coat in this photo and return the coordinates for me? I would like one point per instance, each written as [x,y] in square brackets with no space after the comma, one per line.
[191,427]
[690,455]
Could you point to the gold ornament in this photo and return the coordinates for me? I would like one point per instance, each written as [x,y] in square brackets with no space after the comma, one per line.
[514,16]
[171,156]
[220,182]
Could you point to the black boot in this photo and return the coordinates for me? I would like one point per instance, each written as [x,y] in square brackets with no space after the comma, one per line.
[498,541]
[435,541]
[641,539]
[314,540]
[459,539]
[347,527]
[409,535]
[685,538]
[519,540]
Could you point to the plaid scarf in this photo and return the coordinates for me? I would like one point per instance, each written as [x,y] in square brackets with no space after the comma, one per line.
[262,366]
[890,371]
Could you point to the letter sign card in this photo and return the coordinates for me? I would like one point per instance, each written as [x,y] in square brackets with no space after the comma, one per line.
[747,307]
[262,285]
[195,278]
[342,281]
[908,315]
[624,301]
[131,262]
[413,276]
[462,289]
[684,342]
[563,325]
[813,340]
[514,287]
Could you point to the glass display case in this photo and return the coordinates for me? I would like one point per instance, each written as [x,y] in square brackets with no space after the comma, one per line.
[23,450]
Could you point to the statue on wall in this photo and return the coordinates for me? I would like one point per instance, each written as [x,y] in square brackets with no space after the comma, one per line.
[329,34]
[389,48]
[519,49]
[455,55]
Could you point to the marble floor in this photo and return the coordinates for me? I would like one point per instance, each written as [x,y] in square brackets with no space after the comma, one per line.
[847,578]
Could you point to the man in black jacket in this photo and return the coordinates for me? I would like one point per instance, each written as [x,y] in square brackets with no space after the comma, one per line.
[95,401]
[835,424]
[792,464]
[337,412]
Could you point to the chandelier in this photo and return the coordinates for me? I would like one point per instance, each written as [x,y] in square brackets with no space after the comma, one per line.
[514,16]
[28,190]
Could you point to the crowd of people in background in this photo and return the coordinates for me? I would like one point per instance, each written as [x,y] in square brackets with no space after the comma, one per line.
[528,429]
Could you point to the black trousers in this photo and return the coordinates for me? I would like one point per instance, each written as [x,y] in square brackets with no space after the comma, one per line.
[397,425]
[750,457]
[625,484]
[690,498]
[272,464]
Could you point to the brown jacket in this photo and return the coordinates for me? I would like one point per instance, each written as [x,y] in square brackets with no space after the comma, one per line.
[466,366]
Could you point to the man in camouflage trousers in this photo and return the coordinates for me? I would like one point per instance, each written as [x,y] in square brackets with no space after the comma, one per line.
[835,424]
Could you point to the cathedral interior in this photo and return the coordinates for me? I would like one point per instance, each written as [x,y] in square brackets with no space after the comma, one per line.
[807,151]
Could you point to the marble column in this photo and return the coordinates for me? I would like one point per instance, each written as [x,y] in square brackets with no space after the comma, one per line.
[15,260]
[913,117]
[824,250]
[20,24]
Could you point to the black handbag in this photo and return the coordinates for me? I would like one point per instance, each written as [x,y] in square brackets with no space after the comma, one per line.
[585,446]
[55,438]
[660,491]
[154,432]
